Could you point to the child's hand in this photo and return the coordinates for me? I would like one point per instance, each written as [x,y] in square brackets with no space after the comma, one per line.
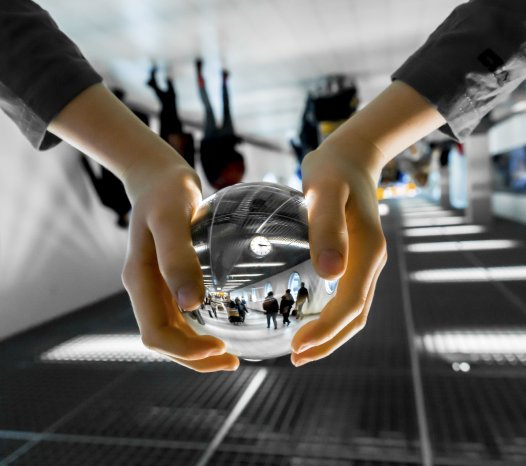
[346,238]
[162,271]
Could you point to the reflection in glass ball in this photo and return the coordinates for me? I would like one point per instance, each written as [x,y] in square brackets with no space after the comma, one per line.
[252,239]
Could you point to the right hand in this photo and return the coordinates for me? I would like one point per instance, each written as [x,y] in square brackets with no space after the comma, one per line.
[346,241]
[162,272]
[345,232]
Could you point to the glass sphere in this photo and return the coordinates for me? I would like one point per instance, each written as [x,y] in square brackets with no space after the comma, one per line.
[252,240]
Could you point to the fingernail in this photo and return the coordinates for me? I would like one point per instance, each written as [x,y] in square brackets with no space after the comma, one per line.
[188,297]
[234,368]
[299,362]
[217,351]
[302,348]
[330,261]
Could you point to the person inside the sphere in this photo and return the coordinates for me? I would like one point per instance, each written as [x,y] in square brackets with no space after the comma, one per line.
[271,308]
[285,306]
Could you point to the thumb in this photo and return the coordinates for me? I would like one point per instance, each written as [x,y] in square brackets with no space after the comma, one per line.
[326,203]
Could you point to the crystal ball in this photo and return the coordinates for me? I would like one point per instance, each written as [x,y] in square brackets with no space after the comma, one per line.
[252,243]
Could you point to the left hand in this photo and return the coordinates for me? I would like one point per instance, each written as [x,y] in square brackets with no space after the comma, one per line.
[347,242]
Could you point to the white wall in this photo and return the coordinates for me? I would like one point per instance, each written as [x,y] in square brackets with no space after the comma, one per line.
[508,135]
[59,249]
[510,206]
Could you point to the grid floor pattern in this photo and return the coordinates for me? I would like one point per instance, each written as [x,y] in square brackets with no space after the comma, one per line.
[80,454]
[356,407]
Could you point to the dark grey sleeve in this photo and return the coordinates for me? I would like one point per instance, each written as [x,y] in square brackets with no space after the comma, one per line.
[41,70]
[475,58]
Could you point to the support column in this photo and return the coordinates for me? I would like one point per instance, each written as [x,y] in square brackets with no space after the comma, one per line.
[479,179]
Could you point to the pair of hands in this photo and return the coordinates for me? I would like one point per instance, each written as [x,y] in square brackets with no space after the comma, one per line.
[162,271]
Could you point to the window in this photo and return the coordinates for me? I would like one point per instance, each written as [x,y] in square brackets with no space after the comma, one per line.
[330,286]
[294,283]
[268,287]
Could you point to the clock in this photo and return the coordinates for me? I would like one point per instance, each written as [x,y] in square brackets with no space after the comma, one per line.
[260,246]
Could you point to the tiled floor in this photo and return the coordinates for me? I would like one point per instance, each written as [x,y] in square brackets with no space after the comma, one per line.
[386,398]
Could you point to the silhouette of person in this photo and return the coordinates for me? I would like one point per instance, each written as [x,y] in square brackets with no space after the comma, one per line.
[271,308]
[108,187]
[332,108]
[308,139]
[301,298]
[222,164]
[110,191]
[285,306]
[171,125]
[242,309]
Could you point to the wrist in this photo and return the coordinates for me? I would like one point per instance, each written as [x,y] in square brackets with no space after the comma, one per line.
[148,166]
[356,150]
[390,123]
[100,126]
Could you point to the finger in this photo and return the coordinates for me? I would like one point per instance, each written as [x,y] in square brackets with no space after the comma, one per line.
[170,224]
[224,362]
[149,295]
[326,200]
[324,350]
[366,255]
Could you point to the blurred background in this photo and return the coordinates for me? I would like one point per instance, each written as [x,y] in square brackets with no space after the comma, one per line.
[438,375]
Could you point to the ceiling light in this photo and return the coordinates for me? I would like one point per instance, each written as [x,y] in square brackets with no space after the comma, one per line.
[383,209]
[474,274]
[292,243]
[494,345]
[263,264]
[429,213]
[448,246]
[103,348]
[200,247]
[433,221]
[445,231]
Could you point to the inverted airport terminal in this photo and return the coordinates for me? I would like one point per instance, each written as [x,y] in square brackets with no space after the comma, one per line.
[263,233]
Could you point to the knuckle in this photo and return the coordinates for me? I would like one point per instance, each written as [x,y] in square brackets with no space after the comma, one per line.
[149,340]
[129,274]
[360,326]
[379,244]
[361,322]
[170,267]
[158,215]
[332,232]
[308,160]
[326,352]
[180,266]
[173,269]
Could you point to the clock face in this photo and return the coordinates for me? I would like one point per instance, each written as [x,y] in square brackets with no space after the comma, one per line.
[260,246]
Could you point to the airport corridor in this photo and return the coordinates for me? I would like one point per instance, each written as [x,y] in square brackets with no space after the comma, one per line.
[436,378]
